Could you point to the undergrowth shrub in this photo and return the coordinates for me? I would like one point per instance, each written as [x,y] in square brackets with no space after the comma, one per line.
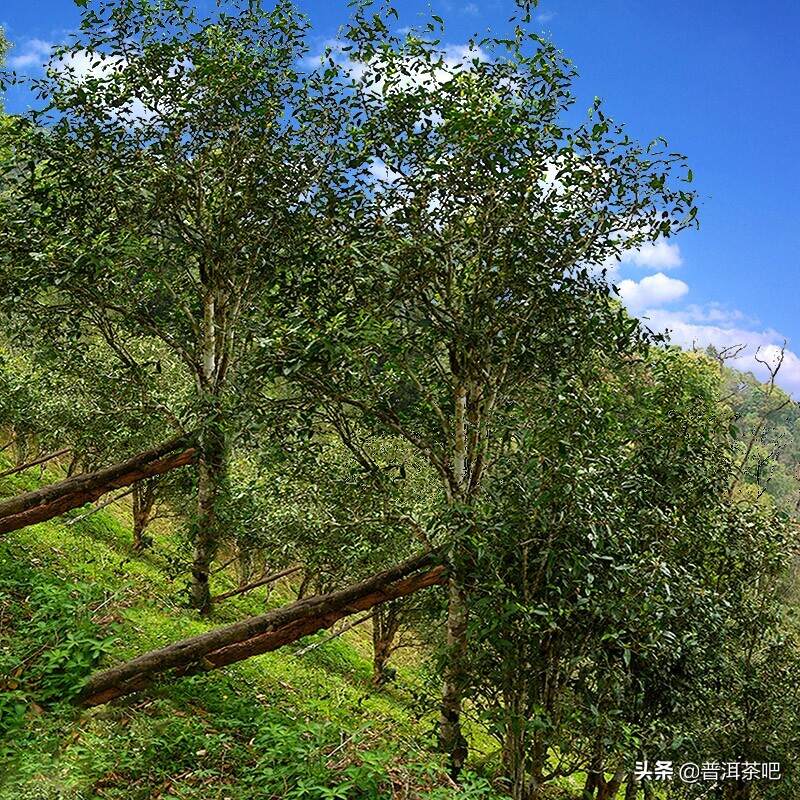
[50,640]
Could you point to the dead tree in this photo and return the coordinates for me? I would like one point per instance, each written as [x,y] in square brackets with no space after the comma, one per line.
[263,633]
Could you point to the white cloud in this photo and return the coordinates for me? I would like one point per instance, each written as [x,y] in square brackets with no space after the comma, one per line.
[765,343]
[79,65]
[651,291]
[456,58]
[712,312]
[655,255]
[75,67]
[382,173]
[31,53]
[415,73]
[471,9]
[545,16]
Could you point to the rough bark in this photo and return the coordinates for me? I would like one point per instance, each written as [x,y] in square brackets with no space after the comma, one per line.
[51,501]
[211,487]
[451,739]
[262,633]
[212,472]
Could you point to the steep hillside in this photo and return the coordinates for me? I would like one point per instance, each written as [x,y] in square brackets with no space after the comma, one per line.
[73,593]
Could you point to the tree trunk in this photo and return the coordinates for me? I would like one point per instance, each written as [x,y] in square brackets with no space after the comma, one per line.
[212,479]
[265,581]
[144,498]
[595,776]
[610,789]
[451,739]
[263,633]
[514,761]
[631,787]
[51,501]
[738,791]
[244,562]
[385,625]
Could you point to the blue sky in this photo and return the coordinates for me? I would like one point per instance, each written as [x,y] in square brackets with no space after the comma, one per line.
[720,80]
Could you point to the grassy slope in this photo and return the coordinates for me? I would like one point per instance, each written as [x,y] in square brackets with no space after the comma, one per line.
[274,726]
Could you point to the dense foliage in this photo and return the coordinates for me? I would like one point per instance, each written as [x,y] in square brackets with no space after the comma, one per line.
[371,296]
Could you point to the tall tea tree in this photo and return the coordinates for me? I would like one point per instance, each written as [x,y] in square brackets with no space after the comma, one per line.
[469,266]
[158,193]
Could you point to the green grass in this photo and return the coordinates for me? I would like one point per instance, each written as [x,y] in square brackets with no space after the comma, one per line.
[74,596]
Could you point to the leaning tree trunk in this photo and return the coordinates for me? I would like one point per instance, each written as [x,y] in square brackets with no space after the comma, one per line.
[212,480]
[50,501]
[631,787]
[263,633]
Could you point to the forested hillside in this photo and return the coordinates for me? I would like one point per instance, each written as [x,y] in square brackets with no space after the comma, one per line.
[331,465]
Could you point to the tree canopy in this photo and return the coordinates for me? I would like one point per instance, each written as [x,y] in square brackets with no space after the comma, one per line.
[345,327]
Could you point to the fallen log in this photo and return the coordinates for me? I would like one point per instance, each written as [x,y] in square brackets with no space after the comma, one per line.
[105,504]
[35,463]
[255,584]
[331,636]
[53,500]
[263,633]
